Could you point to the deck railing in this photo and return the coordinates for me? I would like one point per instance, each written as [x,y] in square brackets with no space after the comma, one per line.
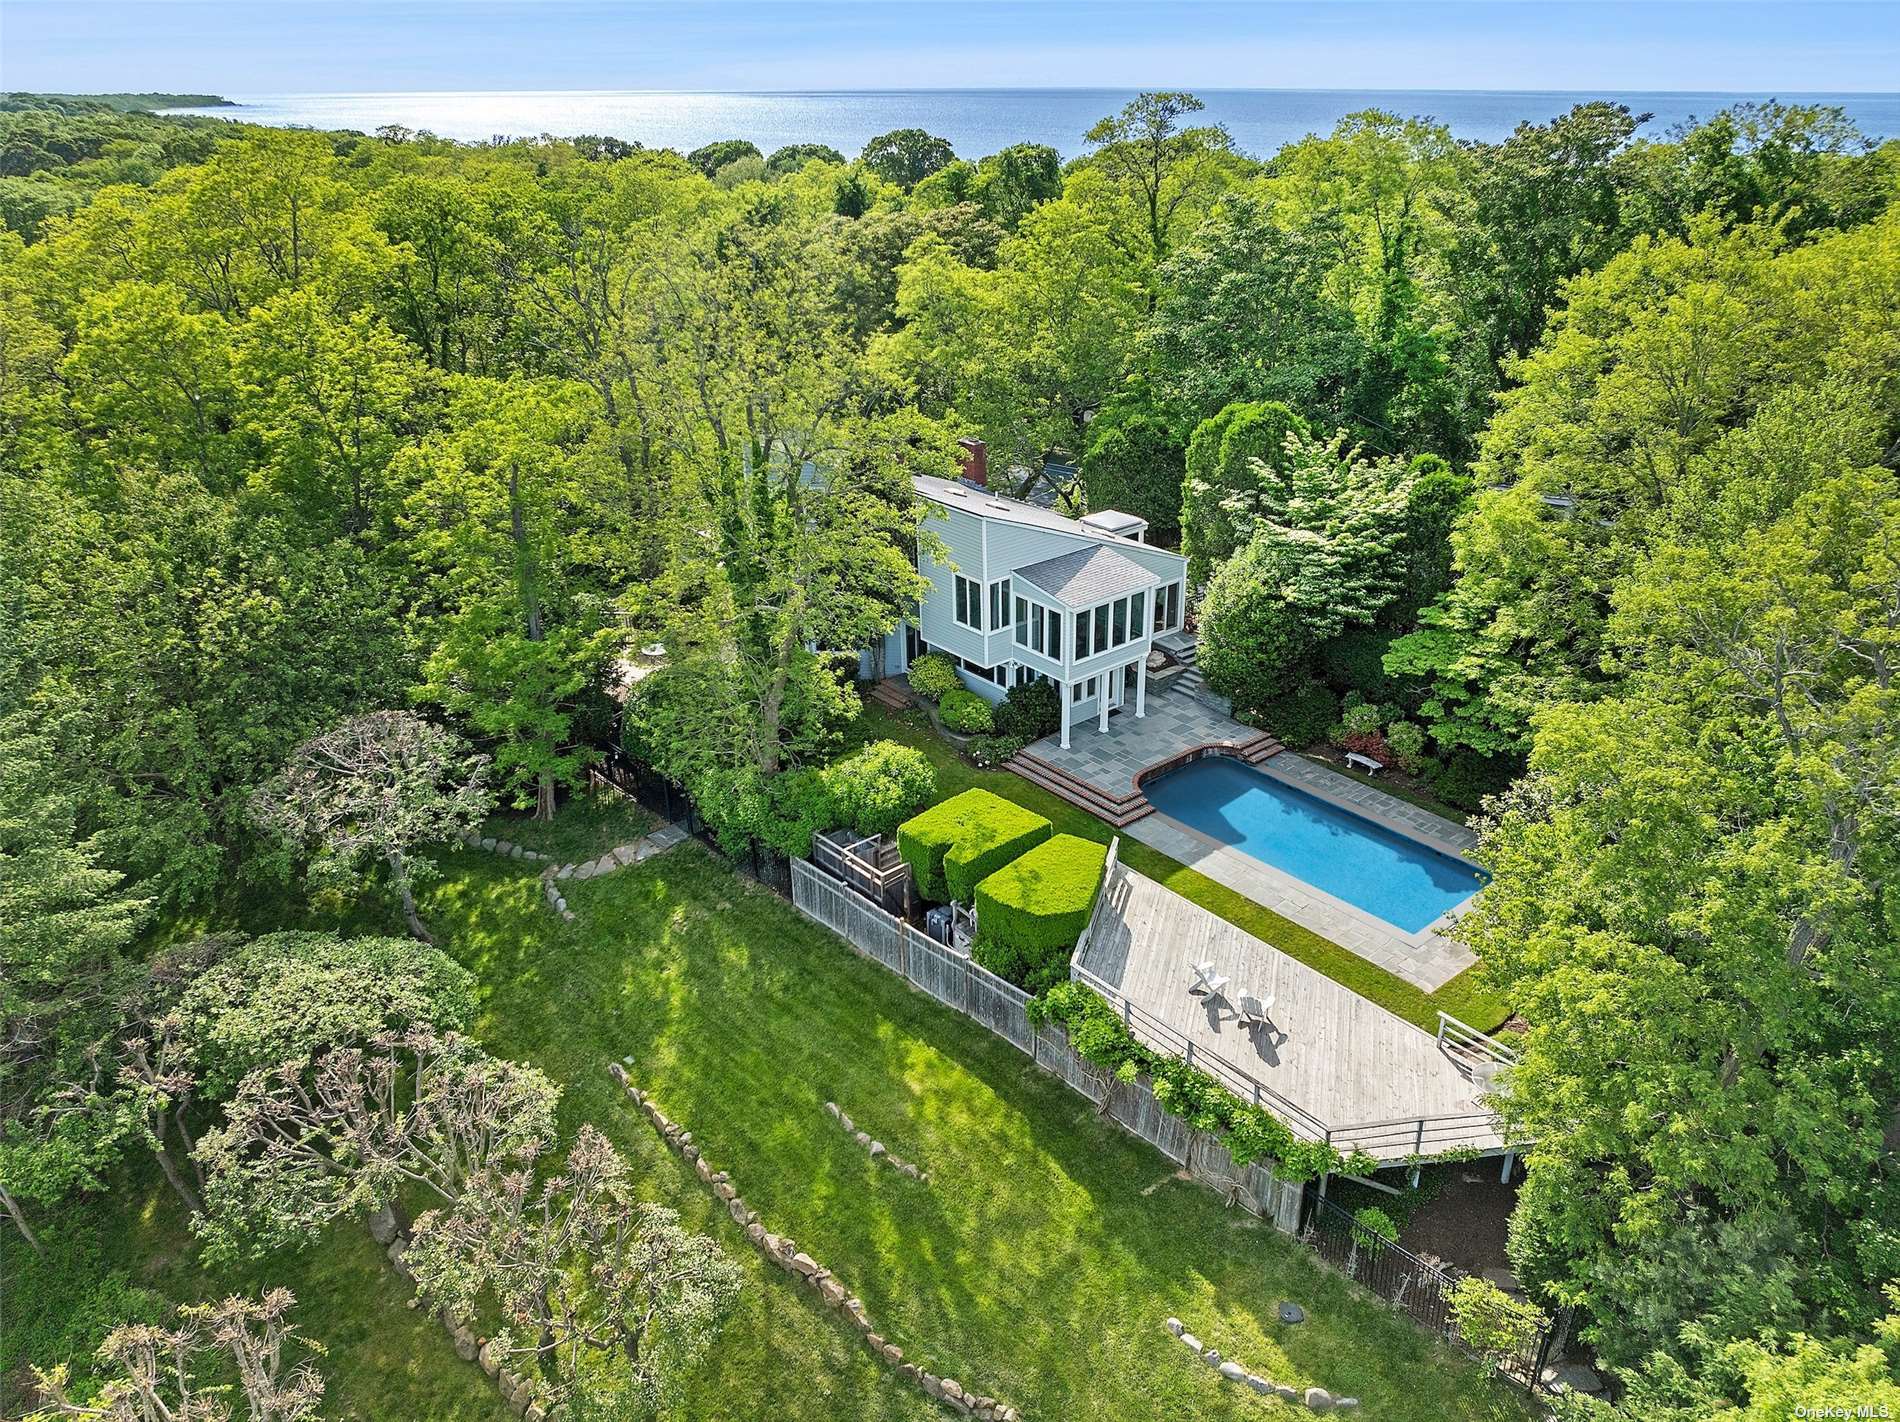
[1462,1039]
[1409,1137]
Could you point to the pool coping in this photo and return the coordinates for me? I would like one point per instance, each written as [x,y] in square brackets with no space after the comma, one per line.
[1427,958]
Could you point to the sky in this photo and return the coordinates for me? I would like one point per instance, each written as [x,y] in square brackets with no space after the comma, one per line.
[257,47]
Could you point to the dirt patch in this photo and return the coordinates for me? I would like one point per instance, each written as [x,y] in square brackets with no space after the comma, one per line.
[1465,1220]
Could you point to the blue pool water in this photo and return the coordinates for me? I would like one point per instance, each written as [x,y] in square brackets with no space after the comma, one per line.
[1371,868]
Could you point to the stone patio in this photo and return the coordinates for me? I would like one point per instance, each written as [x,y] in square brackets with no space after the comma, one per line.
[1111,760]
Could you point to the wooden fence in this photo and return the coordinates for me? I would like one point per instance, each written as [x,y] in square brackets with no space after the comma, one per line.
[956,981]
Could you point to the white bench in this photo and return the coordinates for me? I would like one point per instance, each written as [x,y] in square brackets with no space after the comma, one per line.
[1356,761]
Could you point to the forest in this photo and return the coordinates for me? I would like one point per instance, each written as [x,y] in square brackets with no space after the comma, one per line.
[1566,467]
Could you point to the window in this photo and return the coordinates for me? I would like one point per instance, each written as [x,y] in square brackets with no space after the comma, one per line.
[1121,621]
[1035,629]
[1054,649]
[1023,611]
[1102,644]
[969,603]
[1168,607]
[1137,609]
[1075,691]
[1081,635]
[999,604]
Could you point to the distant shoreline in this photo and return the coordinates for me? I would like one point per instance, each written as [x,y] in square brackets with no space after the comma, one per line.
[975,121]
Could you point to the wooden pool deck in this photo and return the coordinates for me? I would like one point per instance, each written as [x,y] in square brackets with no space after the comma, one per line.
[1332,1065]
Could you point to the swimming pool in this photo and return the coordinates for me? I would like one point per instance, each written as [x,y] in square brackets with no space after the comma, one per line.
[1367,865]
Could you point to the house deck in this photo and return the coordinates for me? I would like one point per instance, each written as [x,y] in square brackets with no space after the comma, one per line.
[1331,1064]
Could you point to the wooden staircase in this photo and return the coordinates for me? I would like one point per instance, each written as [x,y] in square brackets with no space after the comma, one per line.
[1123,810]
[893,694]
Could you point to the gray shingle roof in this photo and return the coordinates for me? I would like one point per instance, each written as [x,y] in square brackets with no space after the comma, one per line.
[1087,576]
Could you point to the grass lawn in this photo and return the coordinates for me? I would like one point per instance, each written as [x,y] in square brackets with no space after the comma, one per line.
[1463,997]
[1037,1264]
[383,1360]
[584,827]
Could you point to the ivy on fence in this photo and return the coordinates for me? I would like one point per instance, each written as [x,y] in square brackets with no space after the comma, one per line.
[1249,1133]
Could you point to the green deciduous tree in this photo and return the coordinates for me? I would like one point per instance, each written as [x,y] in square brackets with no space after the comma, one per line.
[65,922]
[501,515]
[1689,909]
[1320,557]
[906,156]
[1234,465]
[372,791]
[1133,461]
[1166,169]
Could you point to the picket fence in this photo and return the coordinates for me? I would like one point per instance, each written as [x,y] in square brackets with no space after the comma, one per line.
[955,980]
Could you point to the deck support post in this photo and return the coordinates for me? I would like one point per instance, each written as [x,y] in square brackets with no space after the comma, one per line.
[1510,1162]
[1063,690]
[1141,688]
[1101,700]
[1411,1179]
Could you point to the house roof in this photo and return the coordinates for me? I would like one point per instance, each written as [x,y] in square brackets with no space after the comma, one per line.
[1086,576]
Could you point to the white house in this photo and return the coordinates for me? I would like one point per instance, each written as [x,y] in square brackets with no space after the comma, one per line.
[1020,592]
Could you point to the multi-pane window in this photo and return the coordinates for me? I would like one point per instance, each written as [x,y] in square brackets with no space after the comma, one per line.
[999,605]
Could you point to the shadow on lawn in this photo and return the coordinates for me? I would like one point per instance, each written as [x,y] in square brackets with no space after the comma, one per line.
[1036,1253]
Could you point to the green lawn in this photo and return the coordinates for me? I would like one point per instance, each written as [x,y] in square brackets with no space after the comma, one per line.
[1463,997]
[584,827]
[383,1360]
[1038,1263]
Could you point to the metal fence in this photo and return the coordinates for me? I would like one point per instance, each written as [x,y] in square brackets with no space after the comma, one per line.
[1420,1290]
[954,979]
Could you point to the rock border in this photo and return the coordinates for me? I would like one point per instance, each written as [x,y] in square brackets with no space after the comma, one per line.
[520,1393]
[1316,1399]
[619,857]
[800,1265]
[874,1148]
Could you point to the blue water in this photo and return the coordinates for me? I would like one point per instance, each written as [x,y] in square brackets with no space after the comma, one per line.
[1367,865]
[976,121]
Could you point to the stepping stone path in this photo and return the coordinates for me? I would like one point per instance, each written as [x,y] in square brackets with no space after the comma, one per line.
[619,857]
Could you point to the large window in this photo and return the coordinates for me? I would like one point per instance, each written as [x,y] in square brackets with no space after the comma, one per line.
[969,603]
[1120,610]
[1168,607]
[999,605]
[1102,644]
[1082,643]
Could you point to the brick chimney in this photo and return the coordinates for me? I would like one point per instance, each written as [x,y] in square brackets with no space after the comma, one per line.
[976,461]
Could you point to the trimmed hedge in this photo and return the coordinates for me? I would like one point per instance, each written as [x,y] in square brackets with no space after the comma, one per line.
[1032,910]
[953,846]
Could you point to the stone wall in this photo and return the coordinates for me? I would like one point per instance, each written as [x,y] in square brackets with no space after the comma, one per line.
[1318,1399]
[788,1256]
[525,1396]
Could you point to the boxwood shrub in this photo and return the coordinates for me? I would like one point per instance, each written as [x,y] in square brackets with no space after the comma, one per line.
[967,712]
[953,846]
[1030,912]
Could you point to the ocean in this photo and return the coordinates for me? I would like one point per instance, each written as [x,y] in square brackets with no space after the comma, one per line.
[976,121]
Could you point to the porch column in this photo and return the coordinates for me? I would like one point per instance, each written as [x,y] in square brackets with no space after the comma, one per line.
[1101,701]
[1063,694]
[1141,688]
